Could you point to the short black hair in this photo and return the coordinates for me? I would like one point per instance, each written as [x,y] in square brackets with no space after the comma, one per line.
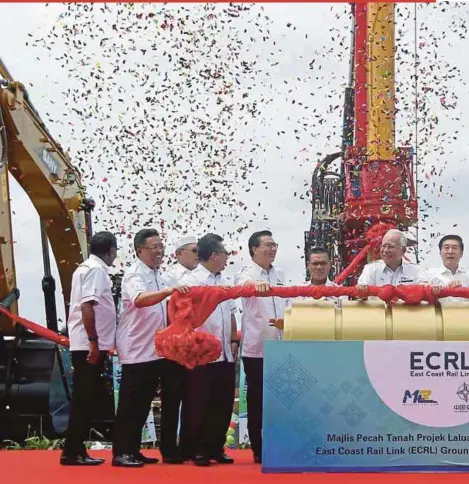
[207,245]
[451,237]
[102,242]
[255,239]
[318,250]
[142,235]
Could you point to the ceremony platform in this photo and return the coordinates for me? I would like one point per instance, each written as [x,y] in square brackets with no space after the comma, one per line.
[42,467]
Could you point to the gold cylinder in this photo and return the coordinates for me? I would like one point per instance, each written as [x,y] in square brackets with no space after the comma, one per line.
[415,322]
[310,313]
[359,318]
[455,317]
[310,319]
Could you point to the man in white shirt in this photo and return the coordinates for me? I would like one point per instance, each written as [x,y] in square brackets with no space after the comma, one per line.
[211,387]
[391,268]
[91,328]
[143,314]
[450,273]
[186,260]
[257,311]
[319,267]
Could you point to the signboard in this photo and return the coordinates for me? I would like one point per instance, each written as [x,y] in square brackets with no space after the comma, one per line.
[366,406]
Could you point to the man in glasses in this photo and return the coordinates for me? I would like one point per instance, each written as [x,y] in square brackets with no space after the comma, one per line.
[186,260]
[450,273]
[211,387]
[319,266]
[391,268]
[144,313]
[257,312]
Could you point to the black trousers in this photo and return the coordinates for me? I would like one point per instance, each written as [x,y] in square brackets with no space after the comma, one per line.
[211,391]
[173,385]
[254,368]
[139,382]
[88,382]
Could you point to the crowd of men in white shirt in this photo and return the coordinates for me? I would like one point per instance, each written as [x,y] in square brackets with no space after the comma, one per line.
[201,400]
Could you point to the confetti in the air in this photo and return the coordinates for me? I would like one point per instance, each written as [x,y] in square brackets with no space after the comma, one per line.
[190,118]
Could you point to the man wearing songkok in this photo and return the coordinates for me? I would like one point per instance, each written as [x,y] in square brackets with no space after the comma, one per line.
[186,260]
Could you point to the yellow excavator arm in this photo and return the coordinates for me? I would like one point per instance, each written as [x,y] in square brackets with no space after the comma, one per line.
[44,171]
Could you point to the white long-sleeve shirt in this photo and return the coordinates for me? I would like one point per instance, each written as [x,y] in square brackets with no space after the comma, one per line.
[258,310]
[219,322]
[328,283]
[442,276]
[173,274]
[377,273]
[135,336]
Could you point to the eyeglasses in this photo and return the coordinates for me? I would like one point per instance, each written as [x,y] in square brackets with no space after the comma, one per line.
[319,264]
[154,247]
[191,250]
[271,245]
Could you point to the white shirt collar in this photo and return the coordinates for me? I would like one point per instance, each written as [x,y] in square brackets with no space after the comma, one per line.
[445,270]
[259,270]
[206,272]
[328,283]
[145,268]
[384,267]
[100,261]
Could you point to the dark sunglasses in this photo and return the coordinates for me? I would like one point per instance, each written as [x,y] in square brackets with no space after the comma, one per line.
[191,250]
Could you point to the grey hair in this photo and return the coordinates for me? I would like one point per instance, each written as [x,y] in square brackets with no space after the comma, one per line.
[402,237]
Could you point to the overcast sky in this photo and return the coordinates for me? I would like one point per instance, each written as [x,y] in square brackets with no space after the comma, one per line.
[317,32]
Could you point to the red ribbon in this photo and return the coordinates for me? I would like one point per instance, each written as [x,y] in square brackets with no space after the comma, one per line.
[374,236]
[179,342]
[36,328]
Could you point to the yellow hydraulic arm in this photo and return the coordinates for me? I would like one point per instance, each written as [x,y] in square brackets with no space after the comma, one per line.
[44,171]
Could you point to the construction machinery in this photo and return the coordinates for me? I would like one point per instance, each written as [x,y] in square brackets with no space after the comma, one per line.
[34,373]
[374,181]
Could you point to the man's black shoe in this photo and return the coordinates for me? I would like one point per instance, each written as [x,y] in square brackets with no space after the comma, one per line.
[146,460]
[173,460]
[223,459]
[257,459]
[126,460]
[201,460]
[79,460]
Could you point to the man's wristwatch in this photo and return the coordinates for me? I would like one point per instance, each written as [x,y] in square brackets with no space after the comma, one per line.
[93,338]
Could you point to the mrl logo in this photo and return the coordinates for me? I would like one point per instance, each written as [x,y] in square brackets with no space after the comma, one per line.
[436,364]
[418,397]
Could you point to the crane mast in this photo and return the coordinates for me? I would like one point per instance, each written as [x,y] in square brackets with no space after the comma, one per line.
[375,182]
